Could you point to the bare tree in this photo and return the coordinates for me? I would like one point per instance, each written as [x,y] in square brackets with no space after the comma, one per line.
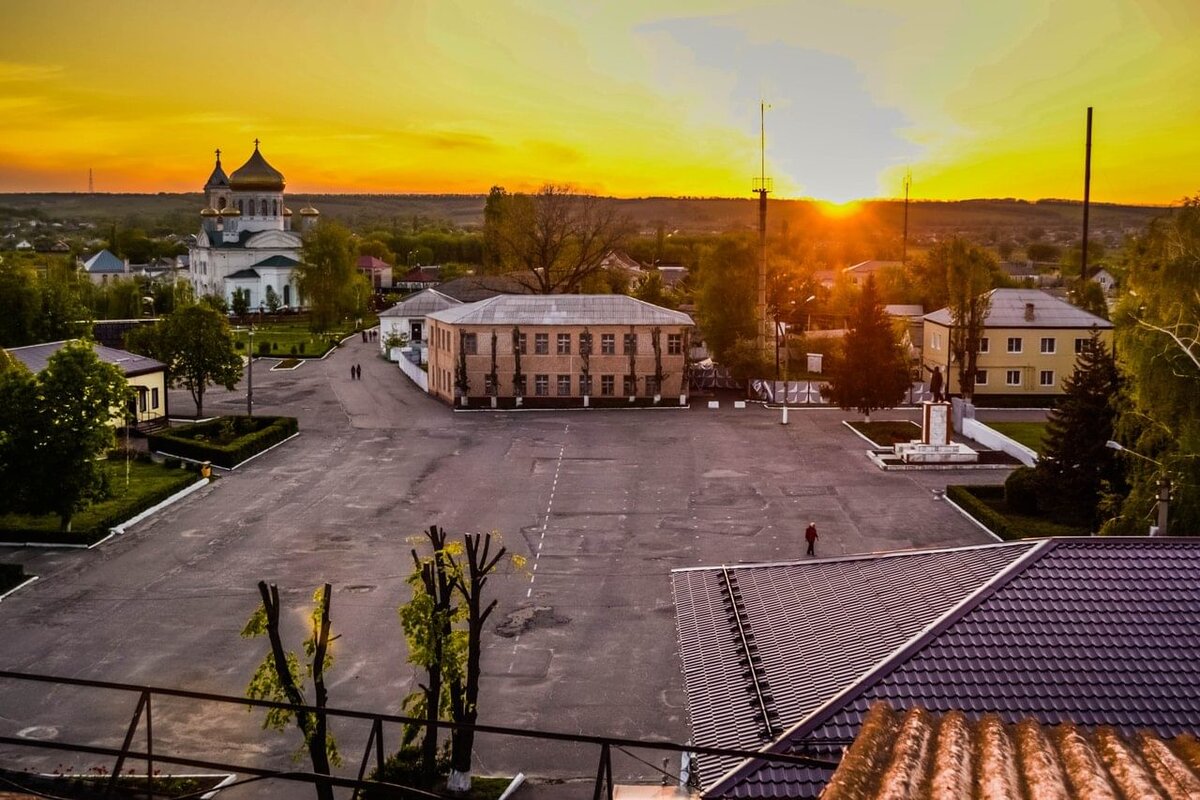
[969,279]
[554,239]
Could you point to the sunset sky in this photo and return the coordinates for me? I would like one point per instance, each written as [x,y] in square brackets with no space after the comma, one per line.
[978,98]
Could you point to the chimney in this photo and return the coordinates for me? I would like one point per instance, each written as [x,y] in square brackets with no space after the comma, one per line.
[1029,312]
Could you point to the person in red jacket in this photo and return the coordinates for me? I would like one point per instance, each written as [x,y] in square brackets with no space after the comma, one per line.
[810,536]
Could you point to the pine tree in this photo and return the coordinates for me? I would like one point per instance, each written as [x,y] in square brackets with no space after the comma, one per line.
[872,372]
[1076,464]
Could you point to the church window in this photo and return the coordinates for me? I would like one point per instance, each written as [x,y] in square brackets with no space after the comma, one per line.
[220,203]
[264,208]
[275,207]
[239,206]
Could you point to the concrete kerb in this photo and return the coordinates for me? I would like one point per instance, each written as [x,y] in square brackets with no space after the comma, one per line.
[978,524]
[572,408]
[19,587]
[860,434]
[235,466]
[175,498]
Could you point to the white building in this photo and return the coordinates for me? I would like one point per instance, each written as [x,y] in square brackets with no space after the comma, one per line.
[246,239]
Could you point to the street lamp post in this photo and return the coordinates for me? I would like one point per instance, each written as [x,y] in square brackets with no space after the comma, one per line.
[1164,487]
[250,374]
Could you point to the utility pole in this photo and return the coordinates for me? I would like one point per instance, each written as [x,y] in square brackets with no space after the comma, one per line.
[91,182]
[1087,191]
[762,187]
[907,184]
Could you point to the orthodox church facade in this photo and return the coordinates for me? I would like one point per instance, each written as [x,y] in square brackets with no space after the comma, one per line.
[246,239]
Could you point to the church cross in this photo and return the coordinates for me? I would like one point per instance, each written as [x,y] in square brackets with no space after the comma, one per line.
[218,154]
[256,144]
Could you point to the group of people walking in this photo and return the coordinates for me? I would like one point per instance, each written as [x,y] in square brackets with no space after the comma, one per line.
[356,372]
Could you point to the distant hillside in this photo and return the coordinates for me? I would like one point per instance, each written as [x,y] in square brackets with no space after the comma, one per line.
[988,218]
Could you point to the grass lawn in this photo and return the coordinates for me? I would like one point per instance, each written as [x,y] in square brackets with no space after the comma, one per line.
[283,336]
[148,484]
[886,433]
[1029,434]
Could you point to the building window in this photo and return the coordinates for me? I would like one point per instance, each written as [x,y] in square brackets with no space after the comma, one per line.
[585,384]
[522,347]
[1014,344]
[607,385]
[564,344]
[541,385]
[1081,345]
[470,344]
[981,377]
[674,344]
[564,385]
[585,344]
[630,343]
[1048,345]
[651,385]
[263,207]
[541,343]
[154,398]
[935,342]
[983,344]
[239,206]
[1013,377]
[275,207]
[608,344]
[630,385]
[142,402]
[1046,377]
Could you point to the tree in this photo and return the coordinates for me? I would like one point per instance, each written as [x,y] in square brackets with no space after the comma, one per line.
[69,429]
[554,239]
[327,279]
[18,405]
[197,346]
[241,302]
[274,301]
[872,371]
[1158,345]
[1088,295]
[725,300]
[20,303]
[278,678]
[1076,465]
[970,275]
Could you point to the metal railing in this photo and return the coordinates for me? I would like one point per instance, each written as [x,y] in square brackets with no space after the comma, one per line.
[374,750]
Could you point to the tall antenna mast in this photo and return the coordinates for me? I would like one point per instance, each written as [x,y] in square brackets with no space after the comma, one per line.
[91,183]
[762,187]
[1087,191]
[907,184]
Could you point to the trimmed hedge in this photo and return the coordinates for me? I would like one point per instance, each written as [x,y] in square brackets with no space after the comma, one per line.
[986,504]
[195,441]
[11,575]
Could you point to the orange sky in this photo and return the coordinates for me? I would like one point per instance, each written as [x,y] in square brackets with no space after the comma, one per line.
[978,99]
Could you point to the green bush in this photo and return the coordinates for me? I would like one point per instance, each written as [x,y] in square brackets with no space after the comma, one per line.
[986,504]
[1021,490]
[251,435]
[293,351]
[238,344]
[274,346]
[302,346]
[264,348]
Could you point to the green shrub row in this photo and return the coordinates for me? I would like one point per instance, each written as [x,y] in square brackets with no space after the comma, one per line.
[970,499]
[10,575]
[182,442]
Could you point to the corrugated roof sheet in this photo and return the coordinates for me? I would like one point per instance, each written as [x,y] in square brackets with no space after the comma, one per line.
[1099,632]
[561,309]
[916,753]
[36,356]
[420,304]
[1008,311]
[817,626]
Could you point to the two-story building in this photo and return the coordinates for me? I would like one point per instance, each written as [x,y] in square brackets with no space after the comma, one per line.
[1028,347]
[558,351]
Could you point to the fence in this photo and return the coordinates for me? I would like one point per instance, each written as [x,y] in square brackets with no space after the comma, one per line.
[988,437]
[418,375]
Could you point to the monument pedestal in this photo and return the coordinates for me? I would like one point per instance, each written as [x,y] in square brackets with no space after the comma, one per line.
[934,446]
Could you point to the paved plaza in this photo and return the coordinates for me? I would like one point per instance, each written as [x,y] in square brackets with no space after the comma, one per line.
[603,505]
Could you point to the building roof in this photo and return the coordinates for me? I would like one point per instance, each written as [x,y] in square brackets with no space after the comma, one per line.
[277,261]
[431,274]
[956,756]
[218,179]
[36,356]
[561,309]
[372,263]
[420,304]
[672,274]
[862,609]
[256,175]
[103,262]
[905,310]
[243,274]
[1095,631]
[871,266]
[471,288]
[1009,310]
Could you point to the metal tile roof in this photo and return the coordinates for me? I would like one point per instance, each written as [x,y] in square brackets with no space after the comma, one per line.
[420,304]
[277,261]
[36,356]
[1008,311]
[104,262]
[248,273]
[814,627]
[561,309]
[1099,632]
[951,755]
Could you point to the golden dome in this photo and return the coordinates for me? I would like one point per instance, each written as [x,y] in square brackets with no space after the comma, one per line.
[309,211]
[209,212]
[256,175]
[230,211]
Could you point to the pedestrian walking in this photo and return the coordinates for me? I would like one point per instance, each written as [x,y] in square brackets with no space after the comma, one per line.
[810,536]
[351,372]
[358,371]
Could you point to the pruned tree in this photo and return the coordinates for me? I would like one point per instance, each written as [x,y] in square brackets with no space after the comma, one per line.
[518,376]
[970,277]
[1076,466]
[659,375]
[553,239]
[493,373]
[274,301]
[241,301]
[462,380]
[279,678]
[632,338]
[585,359]
[872,370]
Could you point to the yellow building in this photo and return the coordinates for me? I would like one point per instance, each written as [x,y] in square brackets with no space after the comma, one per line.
[572,350]
[1028,346]
[147,377]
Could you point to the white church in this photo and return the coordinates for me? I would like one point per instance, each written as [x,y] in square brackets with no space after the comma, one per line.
[246,239]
